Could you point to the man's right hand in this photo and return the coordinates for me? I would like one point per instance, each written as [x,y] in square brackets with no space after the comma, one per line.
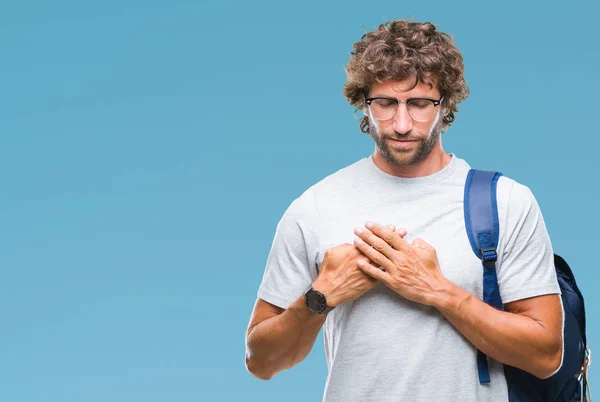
[340,279]
[279,338]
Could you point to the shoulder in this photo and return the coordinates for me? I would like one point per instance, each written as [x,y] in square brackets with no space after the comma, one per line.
[305,207]
[343,175]
[514,196]
[521,220]
[307,203]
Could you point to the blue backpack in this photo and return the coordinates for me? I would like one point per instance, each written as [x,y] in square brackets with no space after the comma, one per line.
[481,220]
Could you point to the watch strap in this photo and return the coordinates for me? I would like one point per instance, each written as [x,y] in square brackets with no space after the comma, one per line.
[326,310]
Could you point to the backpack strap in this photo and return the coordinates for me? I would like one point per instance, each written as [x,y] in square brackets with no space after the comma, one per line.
[481,222]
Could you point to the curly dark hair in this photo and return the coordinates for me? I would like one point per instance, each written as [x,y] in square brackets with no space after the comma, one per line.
[398,50]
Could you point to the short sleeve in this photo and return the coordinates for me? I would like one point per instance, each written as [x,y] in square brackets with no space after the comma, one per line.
[291,265]
[527,265]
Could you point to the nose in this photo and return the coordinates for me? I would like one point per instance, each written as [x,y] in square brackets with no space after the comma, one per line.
[402,122]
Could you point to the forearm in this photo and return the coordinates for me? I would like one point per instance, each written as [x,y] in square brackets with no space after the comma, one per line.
[282,341]
[509,338]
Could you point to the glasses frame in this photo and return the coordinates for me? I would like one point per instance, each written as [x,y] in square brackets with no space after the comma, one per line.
[436,103]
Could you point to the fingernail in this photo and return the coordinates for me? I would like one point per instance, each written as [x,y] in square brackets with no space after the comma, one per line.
[369,225]
[358,230]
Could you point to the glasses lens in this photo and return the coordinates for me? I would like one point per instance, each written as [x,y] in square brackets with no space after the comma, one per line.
[421,110]
[383,109]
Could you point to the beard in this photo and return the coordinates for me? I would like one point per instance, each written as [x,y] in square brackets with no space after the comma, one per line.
[405,157]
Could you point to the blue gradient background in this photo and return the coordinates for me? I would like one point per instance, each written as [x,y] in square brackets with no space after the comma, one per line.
[148,150]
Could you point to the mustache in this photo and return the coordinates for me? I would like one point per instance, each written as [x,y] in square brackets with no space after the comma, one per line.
[403,139]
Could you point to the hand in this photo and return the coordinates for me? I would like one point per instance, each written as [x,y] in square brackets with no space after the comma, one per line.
[411,270]
[340,279]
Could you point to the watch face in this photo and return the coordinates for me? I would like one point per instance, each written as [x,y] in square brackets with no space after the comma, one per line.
[315,301]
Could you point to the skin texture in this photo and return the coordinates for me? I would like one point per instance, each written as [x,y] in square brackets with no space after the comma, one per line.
[425,155]
[528,335]
[278,339]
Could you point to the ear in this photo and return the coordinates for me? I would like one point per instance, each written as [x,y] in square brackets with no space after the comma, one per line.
[359,117]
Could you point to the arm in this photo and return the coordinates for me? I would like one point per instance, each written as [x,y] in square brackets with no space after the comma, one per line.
[282,330]
[527,336]
[278,339]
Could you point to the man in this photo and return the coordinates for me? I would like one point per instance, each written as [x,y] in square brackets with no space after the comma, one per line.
[401,308]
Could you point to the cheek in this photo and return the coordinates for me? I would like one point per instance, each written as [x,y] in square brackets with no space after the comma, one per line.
[432,124]
[429,129]
[376,125]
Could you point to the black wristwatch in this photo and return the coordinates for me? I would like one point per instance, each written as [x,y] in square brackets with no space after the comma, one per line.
[316,302]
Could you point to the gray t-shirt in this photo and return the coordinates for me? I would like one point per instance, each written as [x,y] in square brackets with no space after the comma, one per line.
[382,347]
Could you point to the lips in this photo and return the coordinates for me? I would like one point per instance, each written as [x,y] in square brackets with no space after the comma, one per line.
[399,144]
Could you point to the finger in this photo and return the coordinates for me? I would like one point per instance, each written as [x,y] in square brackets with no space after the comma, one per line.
[424,250]
[402,231]
[373,271]
[388,236]
[375,242]
[373,254]
[367,261]
[421,244]
[418,245]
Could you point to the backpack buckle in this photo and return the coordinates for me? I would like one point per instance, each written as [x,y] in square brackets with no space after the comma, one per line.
[488,256]
[587,362]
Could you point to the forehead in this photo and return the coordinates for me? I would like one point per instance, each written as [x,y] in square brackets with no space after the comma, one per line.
[404,88]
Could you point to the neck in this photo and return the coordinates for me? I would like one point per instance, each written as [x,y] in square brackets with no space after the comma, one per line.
[434,162]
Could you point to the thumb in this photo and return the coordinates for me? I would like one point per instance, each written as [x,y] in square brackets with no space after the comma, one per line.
[421,244]
[426,253]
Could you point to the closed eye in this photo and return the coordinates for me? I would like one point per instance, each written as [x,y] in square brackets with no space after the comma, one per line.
[385,102]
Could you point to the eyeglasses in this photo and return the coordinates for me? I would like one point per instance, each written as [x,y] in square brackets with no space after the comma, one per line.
[419,109]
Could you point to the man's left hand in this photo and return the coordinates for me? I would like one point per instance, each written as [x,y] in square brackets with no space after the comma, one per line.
[411,270]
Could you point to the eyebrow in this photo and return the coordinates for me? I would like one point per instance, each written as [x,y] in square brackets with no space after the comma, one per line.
[393,97]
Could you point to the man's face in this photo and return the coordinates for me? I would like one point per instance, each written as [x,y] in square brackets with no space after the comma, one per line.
[423,136]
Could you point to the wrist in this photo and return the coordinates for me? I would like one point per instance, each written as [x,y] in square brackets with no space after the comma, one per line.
[321,286]
[449,297]
[302,313]
[326,293]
